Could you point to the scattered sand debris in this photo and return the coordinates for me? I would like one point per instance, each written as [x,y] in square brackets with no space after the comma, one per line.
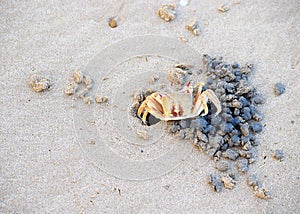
[87,100]
[80,87]
[183,39]
[215,181]
[261,192]
[153,79]
[167,12]
[87,81]
[39,83]
[228,182]
[278,155]
[81,94]
[112,23]
[223,8]
[71,88]
[279,88]
[77,76]
[143,134]
[101,99]
[193,26]
[258,190]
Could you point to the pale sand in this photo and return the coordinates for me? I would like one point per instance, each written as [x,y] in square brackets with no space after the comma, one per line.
[42,167]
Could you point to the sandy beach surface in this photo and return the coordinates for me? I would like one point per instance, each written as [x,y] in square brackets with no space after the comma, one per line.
[48,164]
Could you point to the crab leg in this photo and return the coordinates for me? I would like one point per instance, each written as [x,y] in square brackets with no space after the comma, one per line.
[142,107]
[214,99]
[145,115]
[151,104]
[202,98]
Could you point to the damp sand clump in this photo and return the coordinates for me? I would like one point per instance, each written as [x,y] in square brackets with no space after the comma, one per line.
[229,138]
[39,83]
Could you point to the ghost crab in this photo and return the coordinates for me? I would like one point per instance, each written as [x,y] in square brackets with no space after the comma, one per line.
[178,105]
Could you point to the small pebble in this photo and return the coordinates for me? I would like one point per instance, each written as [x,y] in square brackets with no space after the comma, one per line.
[258,99]
[217,156]
[87,81]
[143,134]
[202,137]
[193,26]
[230,154]
[236,104]
[208,128]
[209,81]
[236,140]
[87,100]
[174,128]
[243,165]
[246,116]
[198,124]
[101,99]
[77,76]
[279,88]
[243,88]
[228,182]
[237,72]
[211,152]
[184,124]
[39,83]
[222,166]
[229,97]
[245,139]
[253,181]
[236,121]
[230,88]
[181,134]
[227,110]
[227,127]
[71,88]
[244,129]
[278,155]
[244,101]
[167,12]
[257,117]
[227,117]
[247,146]
[247,68]
[261,193]
[189,134]
[256,127]
[213,131]
[112,23]
[202,146]
[215,181]
[236,112]
[246,154]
